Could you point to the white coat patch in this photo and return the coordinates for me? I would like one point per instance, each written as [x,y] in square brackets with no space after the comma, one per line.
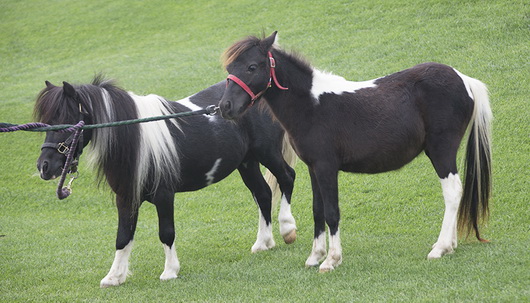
[329,83]
[210,175]
[466,83]
[192,106]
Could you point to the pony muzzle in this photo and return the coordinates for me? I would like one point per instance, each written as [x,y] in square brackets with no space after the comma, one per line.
[235,103]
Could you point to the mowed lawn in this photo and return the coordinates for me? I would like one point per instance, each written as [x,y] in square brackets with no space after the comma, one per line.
[58,251]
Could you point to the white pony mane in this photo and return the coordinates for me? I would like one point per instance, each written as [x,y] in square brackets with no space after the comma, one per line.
[158,149]
[158,157]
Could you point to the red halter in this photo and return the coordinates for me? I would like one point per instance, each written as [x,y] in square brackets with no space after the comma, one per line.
[272,76]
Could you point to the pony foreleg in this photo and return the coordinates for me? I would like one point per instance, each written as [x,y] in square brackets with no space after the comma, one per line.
[163,200]
[325,177]
[334,257]
[120,267]
[172,265]
[287,222]
[318,253]
[447,240]
[127,219]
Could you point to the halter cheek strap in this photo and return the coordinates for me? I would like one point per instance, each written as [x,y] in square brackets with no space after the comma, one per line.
[273,72]
[272,77]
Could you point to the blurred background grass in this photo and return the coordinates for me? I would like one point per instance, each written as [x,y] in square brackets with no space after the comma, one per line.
[53,250]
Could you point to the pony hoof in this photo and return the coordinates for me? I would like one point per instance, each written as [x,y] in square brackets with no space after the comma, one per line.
[290,237]
[434,256]
[257,247]
[437,253]
[325,268]
[331,262]
[315,258]
[105,283]
[168,276]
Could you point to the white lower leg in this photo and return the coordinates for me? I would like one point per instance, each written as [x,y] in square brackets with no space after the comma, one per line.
[447,240]
[172,265]
[318,252]
[287,222]
[264,239]
[119,269]
[334,257]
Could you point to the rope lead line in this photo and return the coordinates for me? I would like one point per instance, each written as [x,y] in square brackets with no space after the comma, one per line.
[64,192]
[42,127]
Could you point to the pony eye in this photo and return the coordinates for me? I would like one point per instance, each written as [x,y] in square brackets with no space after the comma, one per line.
[252,67]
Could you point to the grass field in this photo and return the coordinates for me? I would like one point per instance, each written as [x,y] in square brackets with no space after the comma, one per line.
[58,251]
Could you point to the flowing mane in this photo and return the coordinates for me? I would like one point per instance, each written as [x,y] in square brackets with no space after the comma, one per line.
[114,151]
[238,48]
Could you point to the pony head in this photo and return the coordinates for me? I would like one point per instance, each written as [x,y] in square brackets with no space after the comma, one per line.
[251,71]
[58,105]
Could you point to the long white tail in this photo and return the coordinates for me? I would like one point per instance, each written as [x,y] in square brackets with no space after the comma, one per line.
[290,157]
[477,185]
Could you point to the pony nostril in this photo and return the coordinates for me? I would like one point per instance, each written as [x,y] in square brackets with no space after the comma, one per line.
[44,167]
[227,105]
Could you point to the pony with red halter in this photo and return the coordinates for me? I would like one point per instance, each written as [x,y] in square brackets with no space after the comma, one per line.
[272,77]
[371,127]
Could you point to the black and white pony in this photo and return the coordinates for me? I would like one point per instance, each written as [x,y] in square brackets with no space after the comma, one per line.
[151,161]
[370,127]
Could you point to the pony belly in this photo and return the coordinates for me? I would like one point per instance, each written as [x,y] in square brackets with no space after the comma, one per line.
[199,173]
[380,163]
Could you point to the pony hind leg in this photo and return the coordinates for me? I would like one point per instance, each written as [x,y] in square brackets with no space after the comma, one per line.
[444,162]
[127,219]
[287,221]
[163,200]
[447,240]
[280,176]
[251,175]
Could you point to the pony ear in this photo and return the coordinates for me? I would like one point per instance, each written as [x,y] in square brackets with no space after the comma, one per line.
[268,42]
[48,84]
[68,90]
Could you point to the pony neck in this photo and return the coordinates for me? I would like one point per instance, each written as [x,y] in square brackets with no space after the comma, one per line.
[295,74]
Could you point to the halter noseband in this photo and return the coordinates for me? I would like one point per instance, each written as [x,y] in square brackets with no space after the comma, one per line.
[272,77]
[65,146]
[61,147]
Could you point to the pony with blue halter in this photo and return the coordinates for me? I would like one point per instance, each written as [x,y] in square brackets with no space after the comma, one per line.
[369,127]
[152,161]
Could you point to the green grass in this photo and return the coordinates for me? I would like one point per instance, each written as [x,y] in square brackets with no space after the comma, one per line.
[58,251]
